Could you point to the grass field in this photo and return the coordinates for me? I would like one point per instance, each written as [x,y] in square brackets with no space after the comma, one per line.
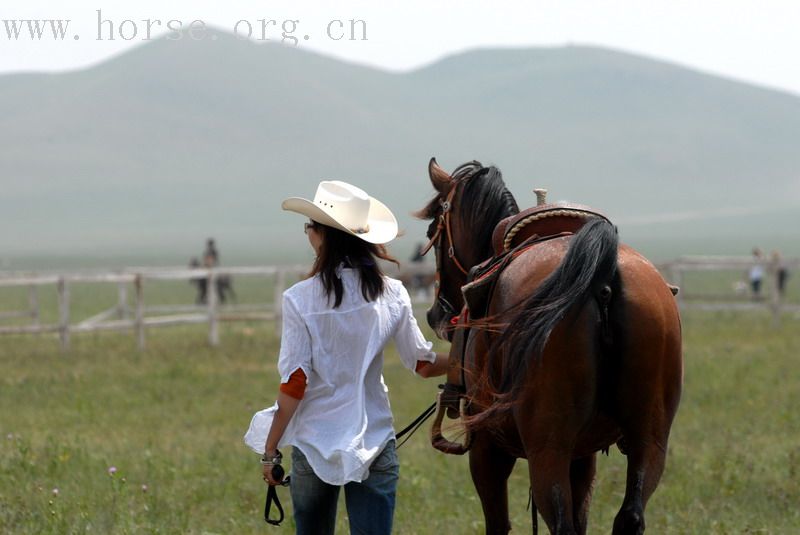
[170,421]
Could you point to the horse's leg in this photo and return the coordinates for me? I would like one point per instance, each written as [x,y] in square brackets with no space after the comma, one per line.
[490,468]
[645,438]
[581,476]
[203,290]
[221,290]
[232,292]
[557,403]
[648,386]
[645,466]
[550,480]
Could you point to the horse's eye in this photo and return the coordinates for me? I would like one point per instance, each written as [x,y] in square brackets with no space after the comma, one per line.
[431,229]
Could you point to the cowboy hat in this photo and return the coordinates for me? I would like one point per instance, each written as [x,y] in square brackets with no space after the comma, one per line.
[345,207]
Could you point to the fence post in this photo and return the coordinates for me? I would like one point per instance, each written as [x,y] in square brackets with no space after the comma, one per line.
[775,301]
[139,320]
[280,283]
[33,304]
[211,294]
[122,300]
[63,313]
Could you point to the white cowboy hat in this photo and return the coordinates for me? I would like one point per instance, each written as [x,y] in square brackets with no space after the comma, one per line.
[348,208]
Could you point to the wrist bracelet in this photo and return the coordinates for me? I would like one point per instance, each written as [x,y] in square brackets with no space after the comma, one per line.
[272,459]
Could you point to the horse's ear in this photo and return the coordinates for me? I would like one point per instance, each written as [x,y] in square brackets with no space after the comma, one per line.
[439,177]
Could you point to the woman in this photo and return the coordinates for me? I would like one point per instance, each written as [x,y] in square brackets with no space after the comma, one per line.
[333,408]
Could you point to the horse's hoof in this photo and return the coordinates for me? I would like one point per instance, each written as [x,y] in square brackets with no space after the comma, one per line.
[629,522]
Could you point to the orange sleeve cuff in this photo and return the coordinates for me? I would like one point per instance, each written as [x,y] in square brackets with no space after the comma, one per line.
[296,385]
[421,365]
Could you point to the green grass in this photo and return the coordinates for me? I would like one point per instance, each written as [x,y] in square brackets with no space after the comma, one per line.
[172,417]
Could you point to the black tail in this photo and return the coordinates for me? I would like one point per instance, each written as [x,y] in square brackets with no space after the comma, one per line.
[590,262]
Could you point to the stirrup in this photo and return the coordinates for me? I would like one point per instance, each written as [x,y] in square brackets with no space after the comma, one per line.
[437,439]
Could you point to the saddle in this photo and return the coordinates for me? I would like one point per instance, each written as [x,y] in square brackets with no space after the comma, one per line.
[541,220]
[514,235]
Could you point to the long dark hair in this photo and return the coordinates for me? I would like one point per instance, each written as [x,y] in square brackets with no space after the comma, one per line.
[339,247]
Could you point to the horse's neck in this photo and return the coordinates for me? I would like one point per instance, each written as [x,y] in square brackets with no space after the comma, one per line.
[486,250]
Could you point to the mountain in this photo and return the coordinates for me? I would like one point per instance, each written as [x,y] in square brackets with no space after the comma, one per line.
[156,149]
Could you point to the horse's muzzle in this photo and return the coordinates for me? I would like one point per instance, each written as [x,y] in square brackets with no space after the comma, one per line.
[440,320]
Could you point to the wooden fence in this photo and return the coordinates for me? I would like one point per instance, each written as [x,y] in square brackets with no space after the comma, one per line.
[770,299]
[137,317]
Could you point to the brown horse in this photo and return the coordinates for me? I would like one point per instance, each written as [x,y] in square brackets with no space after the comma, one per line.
[581,350]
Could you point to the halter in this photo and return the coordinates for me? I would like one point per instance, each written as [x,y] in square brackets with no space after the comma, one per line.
[436,239]
[444,223]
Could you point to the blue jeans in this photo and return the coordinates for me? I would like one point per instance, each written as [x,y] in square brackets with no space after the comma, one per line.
[370,503]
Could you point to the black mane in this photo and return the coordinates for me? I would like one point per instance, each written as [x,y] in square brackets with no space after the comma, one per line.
[484,201]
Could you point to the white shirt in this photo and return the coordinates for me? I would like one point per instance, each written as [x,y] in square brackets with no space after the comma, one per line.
[757,272]
[344,420]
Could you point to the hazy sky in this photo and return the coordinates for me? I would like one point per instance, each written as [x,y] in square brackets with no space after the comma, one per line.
[743,39]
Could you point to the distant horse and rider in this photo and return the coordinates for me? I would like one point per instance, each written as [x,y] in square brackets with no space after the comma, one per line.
[564,343]
[223,283]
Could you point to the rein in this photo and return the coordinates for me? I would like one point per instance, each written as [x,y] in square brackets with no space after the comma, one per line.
[272,497]
[411,428]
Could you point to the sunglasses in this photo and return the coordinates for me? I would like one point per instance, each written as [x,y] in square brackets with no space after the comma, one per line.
[307,226]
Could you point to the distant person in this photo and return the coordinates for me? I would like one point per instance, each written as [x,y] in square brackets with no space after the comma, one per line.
[781,273]
[211,255]
[756,273]
[224,283]
[200,283]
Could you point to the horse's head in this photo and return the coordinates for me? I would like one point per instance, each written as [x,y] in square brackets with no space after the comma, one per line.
[467,206]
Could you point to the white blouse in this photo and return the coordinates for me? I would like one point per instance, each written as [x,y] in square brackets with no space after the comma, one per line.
[344,420]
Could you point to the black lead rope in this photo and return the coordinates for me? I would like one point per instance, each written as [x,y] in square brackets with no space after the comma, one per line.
[411,428]
[272,496]
[278,472]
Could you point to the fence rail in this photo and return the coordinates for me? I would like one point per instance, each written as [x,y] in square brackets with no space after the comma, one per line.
[137,317]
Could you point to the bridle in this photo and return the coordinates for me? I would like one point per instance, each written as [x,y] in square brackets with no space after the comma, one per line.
[436,240]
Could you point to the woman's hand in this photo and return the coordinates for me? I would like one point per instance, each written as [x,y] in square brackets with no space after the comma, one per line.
[271,464]
[434,369]
[268,475]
